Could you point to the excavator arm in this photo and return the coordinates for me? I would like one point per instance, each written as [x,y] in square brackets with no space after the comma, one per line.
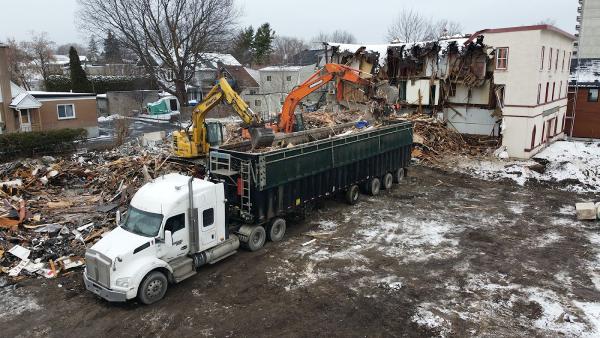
[195,143]
[322,77]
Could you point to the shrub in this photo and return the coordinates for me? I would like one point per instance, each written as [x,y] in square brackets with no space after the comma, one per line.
[38,143]
[101,84]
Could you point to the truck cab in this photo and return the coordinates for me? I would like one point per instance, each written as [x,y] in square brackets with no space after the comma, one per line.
[173,225]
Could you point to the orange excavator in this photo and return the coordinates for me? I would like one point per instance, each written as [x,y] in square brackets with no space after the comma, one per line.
[331,71]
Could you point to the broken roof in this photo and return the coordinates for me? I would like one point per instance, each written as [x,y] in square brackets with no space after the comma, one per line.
[21,99]
[588,74]
[382,49]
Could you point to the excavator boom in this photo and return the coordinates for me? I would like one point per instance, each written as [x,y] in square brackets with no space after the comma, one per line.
[322,77]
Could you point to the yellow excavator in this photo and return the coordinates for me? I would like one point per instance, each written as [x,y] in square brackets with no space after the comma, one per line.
[196,140]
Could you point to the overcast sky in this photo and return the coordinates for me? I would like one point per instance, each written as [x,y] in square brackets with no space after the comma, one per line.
[367,20]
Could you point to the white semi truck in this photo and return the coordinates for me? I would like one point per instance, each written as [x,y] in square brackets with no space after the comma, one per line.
[176,224]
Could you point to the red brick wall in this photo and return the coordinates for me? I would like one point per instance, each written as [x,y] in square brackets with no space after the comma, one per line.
[587,119]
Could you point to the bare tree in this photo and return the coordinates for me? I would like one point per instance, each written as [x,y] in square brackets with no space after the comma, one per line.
[338,36]
[20,63]
[410,26]
[168,36]
[285,48]
[40,48]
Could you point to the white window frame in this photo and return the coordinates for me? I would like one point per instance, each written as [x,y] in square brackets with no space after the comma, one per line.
[66,118]
[498,58]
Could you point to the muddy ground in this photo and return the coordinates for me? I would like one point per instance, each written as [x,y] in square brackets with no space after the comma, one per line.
[447,255]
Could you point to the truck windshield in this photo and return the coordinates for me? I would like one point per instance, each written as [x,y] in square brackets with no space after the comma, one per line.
[142,223]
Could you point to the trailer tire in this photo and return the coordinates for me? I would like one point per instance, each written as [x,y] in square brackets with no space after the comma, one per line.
[153,287]
[388,181]
[276,230]
[399,175]
[353,195]
[255,237]
[374,186]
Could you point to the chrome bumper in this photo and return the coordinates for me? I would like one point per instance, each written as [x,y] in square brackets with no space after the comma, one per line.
[108,294]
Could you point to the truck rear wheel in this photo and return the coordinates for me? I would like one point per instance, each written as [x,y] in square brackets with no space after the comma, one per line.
[253,237]
[388,181]
[276,230]
[353,195]
[374,186]
[153,288]
[399,175]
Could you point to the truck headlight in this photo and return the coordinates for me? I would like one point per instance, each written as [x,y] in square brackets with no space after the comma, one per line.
[123,282]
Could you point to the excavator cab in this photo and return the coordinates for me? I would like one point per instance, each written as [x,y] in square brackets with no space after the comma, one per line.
[214,133]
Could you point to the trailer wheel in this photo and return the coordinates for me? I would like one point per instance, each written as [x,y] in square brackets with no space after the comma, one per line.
[399,175]
[276,230]
[388,181]
[255,237]
[374,186]
[353,195]
[153,288]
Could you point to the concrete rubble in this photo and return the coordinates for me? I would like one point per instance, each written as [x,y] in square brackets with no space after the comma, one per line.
[587,211]
[52,209]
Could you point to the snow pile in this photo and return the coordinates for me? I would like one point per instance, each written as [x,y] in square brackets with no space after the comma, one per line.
[109,118]
[575,165]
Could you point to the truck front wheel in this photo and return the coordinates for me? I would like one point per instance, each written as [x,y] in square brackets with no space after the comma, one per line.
[276,230]
[352,195]
[153,288]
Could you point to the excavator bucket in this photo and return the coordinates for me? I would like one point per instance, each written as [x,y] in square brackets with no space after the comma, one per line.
[261,137]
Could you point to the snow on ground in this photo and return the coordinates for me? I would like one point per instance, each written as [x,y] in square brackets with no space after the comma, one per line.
[109,118]
[575,164]
[13,302]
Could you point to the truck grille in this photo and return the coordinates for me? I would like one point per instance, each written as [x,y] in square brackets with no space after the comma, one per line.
[98,267]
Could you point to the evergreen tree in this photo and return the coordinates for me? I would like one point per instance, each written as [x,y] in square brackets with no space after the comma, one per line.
[242,48]
[263,43]
[112,49]
[92,54]
[79,81]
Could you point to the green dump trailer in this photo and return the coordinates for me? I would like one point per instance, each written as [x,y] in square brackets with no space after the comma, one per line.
[268,185]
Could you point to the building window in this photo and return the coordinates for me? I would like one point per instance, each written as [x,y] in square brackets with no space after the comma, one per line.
[252,91]
[257,103]
[564,57]
[555,126]
[452,90]
[547,91]
[502,58]
[533,137]
[593,95]
[550,61]
[289,78]
[556,61]
[553,90]
[560,91]
[402,90]
[569,64]
[269,78]
[543,57]
[66,111]
[539,98]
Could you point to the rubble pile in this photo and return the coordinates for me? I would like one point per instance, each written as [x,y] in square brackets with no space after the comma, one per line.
[321,119]
[51,209]
[434,140]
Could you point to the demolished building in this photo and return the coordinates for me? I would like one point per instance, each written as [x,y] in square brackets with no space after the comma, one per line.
[488,83]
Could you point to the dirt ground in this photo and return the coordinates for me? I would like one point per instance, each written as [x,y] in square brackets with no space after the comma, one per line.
[444,255]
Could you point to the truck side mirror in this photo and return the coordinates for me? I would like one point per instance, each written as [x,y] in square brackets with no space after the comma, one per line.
[168,238]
